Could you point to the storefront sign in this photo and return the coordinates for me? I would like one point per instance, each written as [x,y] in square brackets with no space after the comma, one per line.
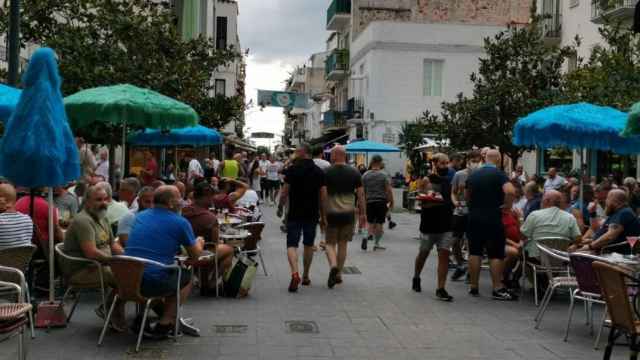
[281,99]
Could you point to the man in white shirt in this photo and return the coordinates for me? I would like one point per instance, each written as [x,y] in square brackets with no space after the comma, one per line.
[103,165]
[554,181]
[318,160]
[16,229]
[263,163]
[215,163]
[195,170]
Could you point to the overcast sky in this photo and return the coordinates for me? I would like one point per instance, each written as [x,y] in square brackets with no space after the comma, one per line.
[280,35]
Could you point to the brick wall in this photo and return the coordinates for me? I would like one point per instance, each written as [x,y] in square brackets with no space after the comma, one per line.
[476,12]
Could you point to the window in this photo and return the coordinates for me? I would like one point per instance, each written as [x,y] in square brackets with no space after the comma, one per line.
[572,62]
[204,13]
[433,77]
[221,32]
[221,87]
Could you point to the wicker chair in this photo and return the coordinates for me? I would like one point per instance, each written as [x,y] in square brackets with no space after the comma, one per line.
[13,318]
[128,271]
[613,282]
[554,263]
[18,257]
[76,287]
[250,246]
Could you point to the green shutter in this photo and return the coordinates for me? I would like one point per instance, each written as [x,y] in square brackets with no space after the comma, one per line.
[190,19]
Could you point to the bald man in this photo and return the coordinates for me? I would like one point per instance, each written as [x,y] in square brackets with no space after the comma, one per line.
[484,192]
[16,229]
[620,224]
[157,235]
[549,222]
[344,183]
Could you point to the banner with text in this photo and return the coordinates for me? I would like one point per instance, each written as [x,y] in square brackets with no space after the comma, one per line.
[281,99]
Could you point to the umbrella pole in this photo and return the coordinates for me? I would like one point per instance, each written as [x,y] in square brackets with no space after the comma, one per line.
[175,164]
[124,148]
[581,179]
[51,255]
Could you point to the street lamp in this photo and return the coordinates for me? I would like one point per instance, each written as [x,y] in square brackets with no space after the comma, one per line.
[14,42]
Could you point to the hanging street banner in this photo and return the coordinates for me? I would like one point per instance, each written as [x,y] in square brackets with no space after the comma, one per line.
[281,99]
[262,135]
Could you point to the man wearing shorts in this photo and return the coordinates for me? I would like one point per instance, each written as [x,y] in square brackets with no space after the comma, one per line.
[343,183]
[435,224]
[461,211]
[273,179]
[379,198]
[485,191]
[305,190]
[157,235]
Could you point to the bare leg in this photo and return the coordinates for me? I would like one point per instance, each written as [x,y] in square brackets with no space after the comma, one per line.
[443,267]
[421,259]
[342,254]
[457,251]
[474,270]
[496,266]
[330,250]
[169,315]
[307,258]
[292,255]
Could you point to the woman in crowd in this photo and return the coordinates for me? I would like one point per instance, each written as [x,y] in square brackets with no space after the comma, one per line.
[511,223]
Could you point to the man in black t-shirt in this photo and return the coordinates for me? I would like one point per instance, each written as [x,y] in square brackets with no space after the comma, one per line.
[305,190]
[485,191]
[343,183]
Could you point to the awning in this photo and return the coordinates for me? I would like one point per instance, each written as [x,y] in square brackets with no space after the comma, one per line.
[329,139]
[240,144]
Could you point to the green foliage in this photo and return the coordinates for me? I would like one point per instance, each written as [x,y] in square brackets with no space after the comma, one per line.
[105,42]
[611,75]
[518,75]
[411,136]
[263,150]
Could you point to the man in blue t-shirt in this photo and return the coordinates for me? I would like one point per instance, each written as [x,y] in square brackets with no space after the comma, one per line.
[621,222]
[157,235]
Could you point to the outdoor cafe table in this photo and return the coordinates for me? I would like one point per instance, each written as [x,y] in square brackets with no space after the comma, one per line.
[186,325]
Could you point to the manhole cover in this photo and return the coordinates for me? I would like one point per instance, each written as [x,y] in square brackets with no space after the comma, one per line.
[351,270]
[302,327]
[230,329]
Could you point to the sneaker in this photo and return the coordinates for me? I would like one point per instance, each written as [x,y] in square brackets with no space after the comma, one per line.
[295,282]
[363,246]
[503,295]
[458,274]
[159,332]
[416,285]
[474,292]
[443,295]
[332,278]
[378,247]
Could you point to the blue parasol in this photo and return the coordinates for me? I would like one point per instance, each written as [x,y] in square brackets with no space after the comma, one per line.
[195,136]
[38,149]
[9,97]
[576,126]
[368,146]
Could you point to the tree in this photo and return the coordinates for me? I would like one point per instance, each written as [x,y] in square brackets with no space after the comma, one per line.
[106,42]
[611,74]
[518,75]
[263,150]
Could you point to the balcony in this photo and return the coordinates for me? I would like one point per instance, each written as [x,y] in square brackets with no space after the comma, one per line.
[333,120]
[338,15]
[355,111]
[552,28]
[622,10]
[337,65]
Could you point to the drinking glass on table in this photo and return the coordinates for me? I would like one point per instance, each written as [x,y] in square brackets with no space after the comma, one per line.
[632,240]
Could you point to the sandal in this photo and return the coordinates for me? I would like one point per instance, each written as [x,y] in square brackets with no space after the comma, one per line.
[306,282]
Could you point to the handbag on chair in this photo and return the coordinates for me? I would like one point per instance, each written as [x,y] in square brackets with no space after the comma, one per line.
[238,280]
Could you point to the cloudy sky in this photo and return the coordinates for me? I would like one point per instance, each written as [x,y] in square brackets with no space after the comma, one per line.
[280,35]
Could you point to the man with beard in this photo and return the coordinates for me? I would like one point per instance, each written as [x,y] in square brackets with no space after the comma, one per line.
[89,236]
[621,222]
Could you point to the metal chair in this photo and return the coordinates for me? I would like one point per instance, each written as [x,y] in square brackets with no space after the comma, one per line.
[556,243]
[250,245]
[13,318]
[18,257]
[552,261]
[74,287]
[612,279]
[128,271]
[588,290]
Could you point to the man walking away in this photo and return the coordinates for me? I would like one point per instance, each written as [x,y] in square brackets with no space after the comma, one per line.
[305,190]
[485,195]
[461,211]
[435,224]
[343,182]
[379,197]
[318,160]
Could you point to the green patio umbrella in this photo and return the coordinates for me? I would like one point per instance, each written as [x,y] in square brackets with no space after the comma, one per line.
[633,121]
[127,105]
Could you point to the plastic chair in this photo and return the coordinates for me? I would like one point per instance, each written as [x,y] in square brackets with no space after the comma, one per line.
[76,287]
[19,257]
[588,290]
[556,243]
[250,245]
[128,271]
[612,280]
[13,318]
[553,262]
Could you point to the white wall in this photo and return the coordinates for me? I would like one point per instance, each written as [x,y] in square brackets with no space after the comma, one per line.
[577,21]
[230,72]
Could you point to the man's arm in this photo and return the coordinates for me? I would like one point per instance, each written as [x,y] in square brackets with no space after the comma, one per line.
[612,233]
[389,192]
[362,209]
[195,250]
[284,196]
[241,188]
[455,190]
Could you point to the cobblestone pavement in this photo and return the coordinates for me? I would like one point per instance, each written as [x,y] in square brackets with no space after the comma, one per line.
[372,315]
